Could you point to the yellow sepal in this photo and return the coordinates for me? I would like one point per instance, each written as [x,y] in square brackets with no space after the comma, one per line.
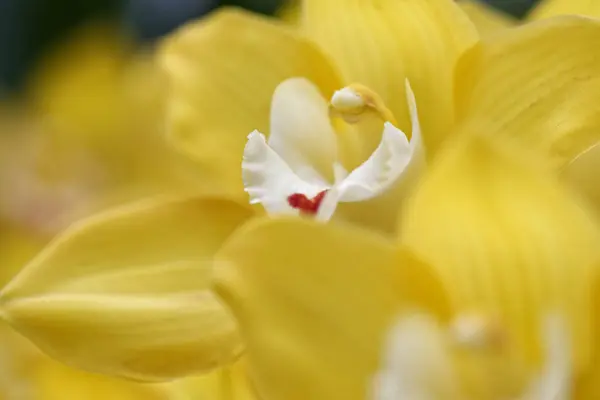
[222,73]
[127,292]
[321,297]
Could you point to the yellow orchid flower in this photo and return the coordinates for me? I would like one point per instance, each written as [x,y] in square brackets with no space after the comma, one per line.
[278,81]
[129,292]
[249,69]
[581,173]
[489,293]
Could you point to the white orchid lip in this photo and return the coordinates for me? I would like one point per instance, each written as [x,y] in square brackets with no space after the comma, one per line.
[282,173]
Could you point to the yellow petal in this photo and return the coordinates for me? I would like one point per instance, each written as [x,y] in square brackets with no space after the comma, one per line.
[127,292]
[78,88]
[538,82]
[550,8]
[53,381]
[381,43]
[588,385]
[17,247]
[583,174]
[223,71]
[486,18]
[227,383]
[507,240]
[321,297]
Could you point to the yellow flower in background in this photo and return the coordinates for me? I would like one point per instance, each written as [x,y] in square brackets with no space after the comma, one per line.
[487,294]
[85,135]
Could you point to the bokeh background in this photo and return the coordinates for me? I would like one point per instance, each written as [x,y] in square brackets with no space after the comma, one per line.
[80,130]
[30,28]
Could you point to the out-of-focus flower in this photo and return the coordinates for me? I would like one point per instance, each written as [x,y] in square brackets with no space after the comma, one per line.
[86,135]
[488,293]
[129,292]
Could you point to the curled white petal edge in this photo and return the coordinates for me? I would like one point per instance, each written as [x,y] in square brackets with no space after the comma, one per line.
[388,162]
[554,382]
[268,179]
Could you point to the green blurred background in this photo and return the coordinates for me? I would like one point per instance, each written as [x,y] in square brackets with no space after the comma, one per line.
[29,28]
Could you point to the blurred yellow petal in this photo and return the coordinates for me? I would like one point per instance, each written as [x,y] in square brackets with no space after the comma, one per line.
[314,302]
[54,381]
[78,87]
[550,8]
[27,374]
[583,173]
[17,247]
[88,133]
[127,292]
[487,19]
[381,43]
[506,240]
[222,72]
[538,82]
[227,383]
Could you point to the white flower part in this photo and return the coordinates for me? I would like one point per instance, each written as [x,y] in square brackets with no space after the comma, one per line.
[302,142]
[346,99]
[473,331]
[417,365]
[388,161]
[269,180]
[301,131]
[332,197]
[415,362]
[554,382]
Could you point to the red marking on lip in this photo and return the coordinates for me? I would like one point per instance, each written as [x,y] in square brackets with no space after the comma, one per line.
[304,204]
